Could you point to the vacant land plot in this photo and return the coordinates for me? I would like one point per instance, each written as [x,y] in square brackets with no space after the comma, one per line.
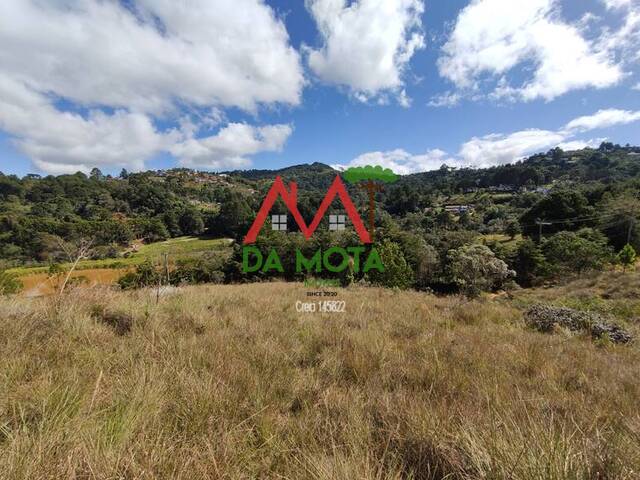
[232,382]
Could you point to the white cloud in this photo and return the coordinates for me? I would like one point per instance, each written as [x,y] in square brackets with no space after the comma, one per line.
[229,148]
[65,142]
[401,162]
[581,144]
[636,86]
[367,44]
[448,99]
[167,61]
[603,119]
[201,52]
[498,149]
[614,4]
[491,38]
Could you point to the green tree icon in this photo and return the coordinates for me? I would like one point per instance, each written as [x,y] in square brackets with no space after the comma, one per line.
[372,176]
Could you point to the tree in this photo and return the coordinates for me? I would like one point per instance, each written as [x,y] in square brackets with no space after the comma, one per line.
[370,175]
[234,218]
[96,174]
[566,208]
[626,257]
[513,228]
[475,269]
[577,252]
[397,272]
[191,222]
[621,220]
[529,263]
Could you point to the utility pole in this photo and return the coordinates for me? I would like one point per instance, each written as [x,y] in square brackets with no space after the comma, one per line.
[540,224]
[631,219]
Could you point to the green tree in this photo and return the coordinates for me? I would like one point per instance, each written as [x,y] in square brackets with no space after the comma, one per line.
[96,174]
[191,222]
[234,218]
[529,263]
[371,175]
[397,272]
[621,220]
[576,252]
[475,269]
[626,257]
[513,228]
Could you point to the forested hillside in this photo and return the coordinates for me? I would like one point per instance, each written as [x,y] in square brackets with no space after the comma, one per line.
[550,215]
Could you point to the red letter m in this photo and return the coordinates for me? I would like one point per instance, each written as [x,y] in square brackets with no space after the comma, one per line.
[290,199]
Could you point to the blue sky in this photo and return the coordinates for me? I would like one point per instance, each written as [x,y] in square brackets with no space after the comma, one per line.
[221,84]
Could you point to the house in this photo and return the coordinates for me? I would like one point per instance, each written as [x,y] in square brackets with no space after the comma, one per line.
[458,209]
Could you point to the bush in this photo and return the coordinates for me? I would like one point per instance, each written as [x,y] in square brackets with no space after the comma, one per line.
[9,283]
[545,318]
[145,275]
[207,269]
[626,257]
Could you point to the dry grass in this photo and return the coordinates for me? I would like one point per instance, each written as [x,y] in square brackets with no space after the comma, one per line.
[612,293]
[230,382]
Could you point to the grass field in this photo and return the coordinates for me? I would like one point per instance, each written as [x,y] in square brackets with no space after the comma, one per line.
[611,293]
[232,382]
[179,247]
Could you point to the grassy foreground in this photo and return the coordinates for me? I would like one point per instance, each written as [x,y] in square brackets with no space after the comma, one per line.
[231,382]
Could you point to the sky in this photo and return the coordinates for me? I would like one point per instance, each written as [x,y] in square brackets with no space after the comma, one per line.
[236,84]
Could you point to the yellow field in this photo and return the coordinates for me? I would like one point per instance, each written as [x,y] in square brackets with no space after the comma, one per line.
[232,382]
[38,284]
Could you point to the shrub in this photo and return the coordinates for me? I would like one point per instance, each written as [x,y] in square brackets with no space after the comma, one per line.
[145,275]
[545,318]
[207,269]
[9,283]
[626,257]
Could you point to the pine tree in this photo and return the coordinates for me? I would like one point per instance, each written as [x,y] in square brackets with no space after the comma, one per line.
[627,257]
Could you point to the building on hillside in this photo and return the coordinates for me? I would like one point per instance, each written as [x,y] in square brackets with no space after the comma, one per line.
[458,209]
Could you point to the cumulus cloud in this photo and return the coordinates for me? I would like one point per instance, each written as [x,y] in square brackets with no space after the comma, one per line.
[485,46]
[603,119]
[614,4]
[581,144]
[126,68]
[401,162]
[66,142]
[220,52]
[367,44]
[230,147]
[499,148]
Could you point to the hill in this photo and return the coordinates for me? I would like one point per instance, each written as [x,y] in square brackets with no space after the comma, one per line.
[233,382]
[580,208]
